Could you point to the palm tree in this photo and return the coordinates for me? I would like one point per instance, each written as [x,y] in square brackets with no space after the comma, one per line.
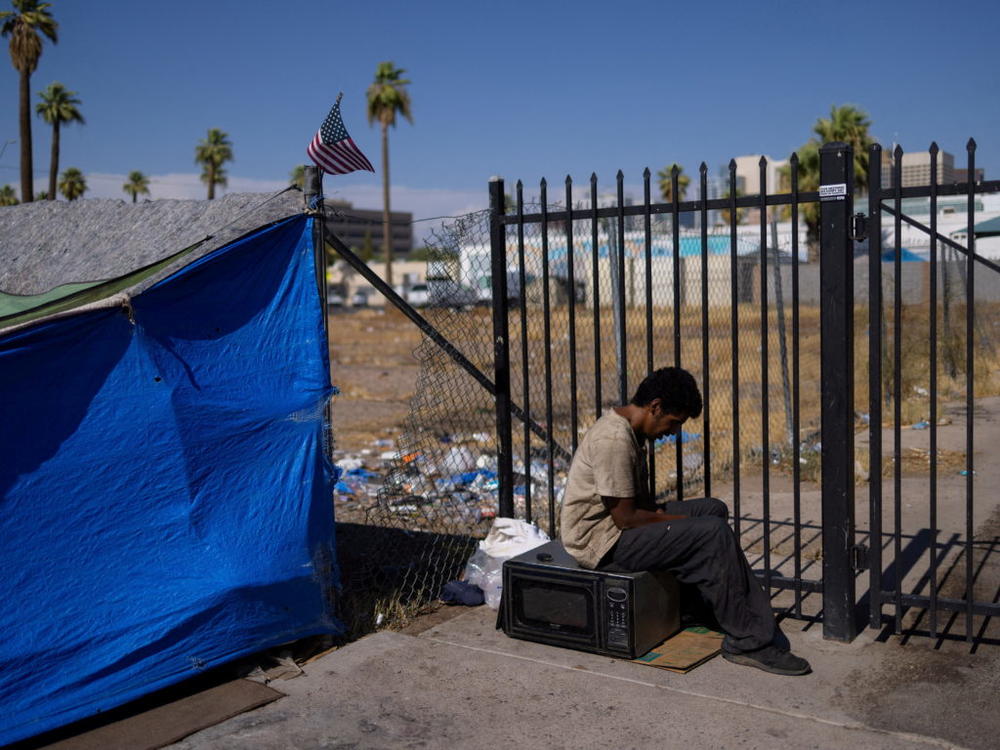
[7,196]
[213,176]
[666,184]
[211,153]
[138,184]
[298,176]
[23,25]
[72,184]
[387,96]
[849,125]
[58,105]
[846,124]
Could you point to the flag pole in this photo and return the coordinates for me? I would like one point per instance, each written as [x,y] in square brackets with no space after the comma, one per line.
[332,151]
[312,188]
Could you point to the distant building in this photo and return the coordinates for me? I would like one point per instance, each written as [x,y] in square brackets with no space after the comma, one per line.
[354,225]
[748,180]
[962,175]
[886,167]
[916,169]
[347,288]
[748,174]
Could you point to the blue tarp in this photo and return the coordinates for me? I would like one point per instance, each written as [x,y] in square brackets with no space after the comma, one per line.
[165,502]
[905,256]
[686,437]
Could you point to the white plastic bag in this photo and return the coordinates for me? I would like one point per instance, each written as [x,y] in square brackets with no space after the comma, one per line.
[508,538]
[460,459]
[485,572]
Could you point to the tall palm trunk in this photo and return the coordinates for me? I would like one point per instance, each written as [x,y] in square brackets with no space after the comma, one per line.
[54,161]
[211,181]
[386,233]
[27,189]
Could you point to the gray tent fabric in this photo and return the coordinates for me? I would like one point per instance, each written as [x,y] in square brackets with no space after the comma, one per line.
[166,484]
[57,250]
[47,243]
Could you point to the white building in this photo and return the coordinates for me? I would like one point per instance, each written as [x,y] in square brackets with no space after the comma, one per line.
[748,174]
[952,222]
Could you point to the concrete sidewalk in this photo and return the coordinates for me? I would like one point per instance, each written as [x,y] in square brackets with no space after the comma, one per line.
[463,684]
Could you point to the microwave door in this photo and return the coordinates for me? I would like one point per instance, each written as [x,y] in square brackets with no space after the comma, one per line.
[561,612]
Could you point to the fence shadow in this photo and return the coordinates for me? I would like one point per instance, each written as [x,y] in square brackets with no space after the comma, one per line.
[951,626]
[914,622]
[389,575]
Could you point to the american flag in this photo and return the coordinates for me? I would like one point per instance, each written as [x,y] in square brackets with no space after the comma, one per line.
[332,148]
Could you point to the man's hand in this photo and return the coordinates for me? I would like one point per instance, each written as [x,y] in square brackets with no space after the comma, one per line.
[626,514]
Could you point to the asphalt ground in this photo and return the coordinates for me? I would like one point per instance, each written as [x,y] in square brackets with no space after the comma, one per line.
[463,684]
[454,681]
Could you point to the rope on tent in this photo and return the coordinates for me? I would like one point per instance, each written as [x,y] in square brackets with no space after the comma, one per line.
[129,310]
[315,202]
[249,211]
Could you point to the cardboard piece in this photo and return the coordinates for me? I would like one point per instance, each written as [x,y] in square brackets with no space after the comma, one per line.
[169,723]
[684,650]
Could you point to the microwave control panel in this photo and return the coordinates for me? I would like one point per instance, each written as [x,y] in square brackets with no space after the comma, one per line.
[617,607]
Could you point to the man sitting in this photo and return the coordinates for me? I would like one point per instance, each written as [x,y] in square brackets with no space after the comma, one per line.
[609,518]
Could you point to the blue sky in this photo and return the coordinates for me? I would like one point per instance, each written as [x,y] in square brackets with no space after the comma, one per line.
[520,89]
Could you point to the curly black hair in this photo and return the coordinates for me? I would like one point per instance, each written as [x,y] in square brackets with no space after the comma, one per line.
[676,388]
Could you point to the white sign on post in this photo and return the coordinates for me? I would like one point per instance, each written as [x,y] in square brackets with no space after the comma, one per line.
[833,192]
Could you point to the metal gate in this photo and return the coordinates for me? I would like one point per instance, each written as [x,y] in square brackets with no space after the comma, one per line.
[944,567]
[590,295]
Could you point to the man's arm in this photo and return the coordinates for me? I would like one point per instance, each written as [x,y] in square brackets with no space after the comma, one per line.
[627,515]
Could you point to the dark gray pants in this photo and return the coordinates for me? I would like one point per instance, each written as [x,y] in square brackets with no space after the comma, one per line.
[702,551]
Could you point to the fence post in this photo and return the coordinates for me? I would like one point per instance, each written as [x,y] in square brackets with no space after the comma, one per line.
[501,348]
[836,170]
[312,193]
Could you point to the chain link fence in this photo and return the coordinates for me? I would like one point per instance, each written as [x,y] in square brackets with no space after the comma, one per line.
[441,492]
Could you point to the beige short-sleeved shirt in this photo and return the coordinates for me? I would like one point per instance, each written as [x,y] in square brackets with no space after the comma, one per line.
[609,462]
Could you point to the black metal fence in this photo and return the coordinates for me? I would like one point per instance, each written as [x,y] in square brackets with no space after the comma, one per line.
[588,298]
[949,561]
[549,312]
[711,300]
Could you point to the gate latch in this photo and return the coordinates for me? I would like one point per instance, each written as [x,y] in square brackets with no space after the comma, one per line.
[859,227]
[859,557]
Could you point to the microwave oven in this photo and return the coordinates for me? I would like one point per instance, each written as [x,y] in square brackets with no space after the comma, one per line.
[549,598]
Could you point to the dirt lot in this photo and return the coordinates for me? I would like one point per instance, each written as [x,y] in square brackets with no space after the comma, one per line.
[372,363]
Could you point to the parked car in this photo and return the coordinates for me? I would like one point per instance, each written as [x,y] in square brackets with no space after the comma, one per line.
[485,287]
[417,295]
[360,296]
[448,293]
[336,295]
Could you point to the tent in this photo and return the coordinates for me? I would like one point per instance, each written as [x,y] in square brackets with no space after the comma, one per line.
[165,483]
[988,228]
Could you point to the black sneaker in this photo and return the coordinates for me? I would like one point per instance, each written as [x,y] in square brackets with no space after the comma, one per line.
[771,659]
